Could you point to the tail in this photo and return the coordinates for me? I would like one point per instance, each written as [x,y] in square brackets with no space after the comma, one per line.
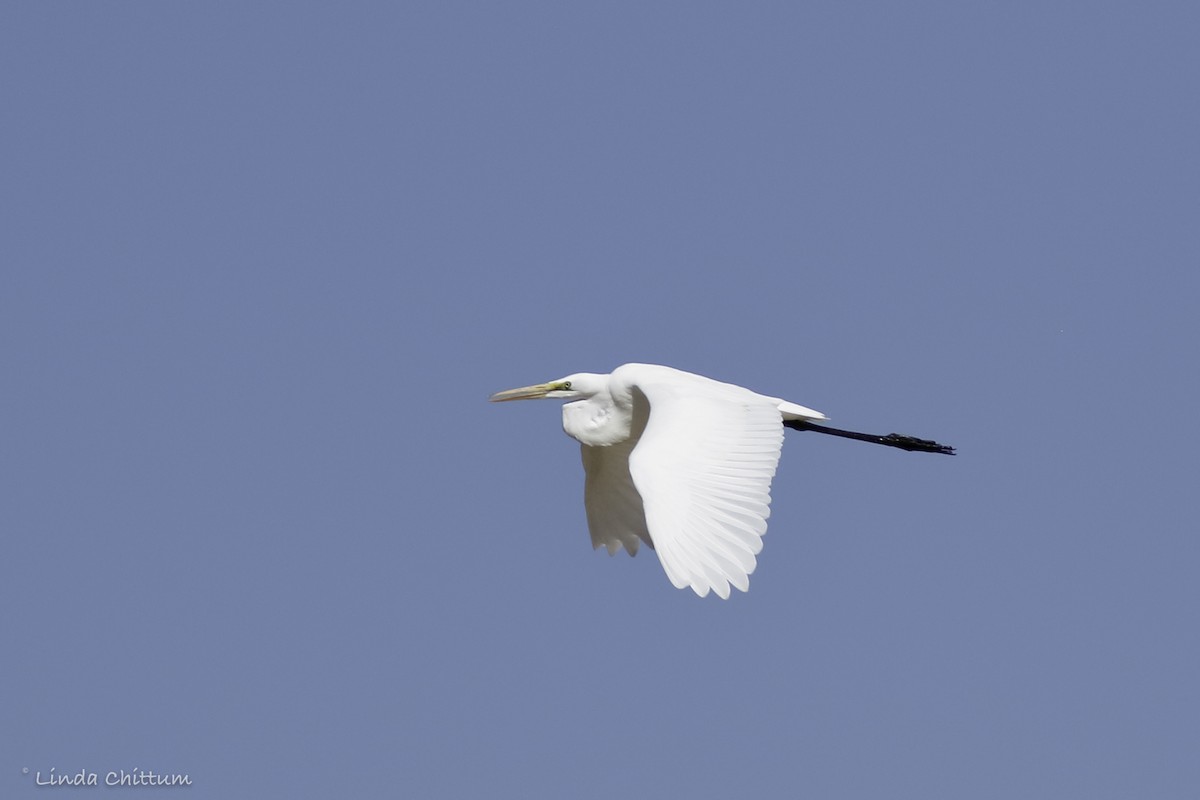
[795,411]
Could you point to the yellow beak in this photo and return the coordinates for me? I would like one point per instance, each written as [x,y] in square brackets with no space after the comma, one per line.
[534,392]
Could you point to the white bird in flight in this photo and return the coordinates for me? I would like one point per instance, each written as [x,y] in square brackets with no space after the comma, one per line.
[683,463]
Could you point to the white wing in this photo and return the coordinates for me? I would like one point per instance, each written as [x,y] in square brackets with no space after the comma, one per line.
[703,467]
[614,507]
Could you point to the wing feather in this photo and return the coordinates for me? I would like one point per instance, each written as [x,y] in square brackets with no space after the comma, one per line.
[703,468]
[614,507]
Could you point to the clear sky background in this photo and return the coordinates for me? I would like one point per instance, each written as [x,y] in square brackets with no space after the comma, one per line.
[263,263]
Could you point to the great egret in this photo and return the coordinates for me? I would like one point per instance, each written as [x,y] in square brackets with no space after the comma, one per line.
[683,463]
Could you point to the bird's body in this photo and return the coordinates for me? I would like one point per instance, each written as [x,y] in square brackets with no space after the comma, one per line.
[692,479]
[681,462]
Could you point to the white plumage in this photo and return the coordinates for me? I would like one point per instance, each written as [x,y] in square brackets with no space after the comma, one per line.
[676,460]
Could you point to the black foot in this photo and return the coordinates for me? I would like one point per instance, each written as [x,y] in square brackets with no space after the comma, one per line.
[914,444]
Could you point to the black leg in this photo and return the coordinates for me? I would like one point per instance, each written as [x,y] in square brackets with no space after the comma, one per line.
[910,443]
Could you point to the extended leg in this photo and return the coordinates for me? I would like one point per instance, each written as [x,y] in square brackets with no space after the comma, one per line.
[900,440]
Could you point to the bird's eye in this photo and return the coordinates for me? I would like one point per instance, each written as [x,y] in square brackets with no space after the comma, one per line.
[566,385]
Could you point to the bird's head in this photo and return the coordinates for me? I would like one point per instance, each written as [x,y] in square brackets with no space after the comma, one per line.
[579,386]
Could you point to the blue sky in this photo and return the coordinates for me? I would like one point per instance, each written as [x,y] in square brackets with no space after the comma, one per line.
[263,264]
